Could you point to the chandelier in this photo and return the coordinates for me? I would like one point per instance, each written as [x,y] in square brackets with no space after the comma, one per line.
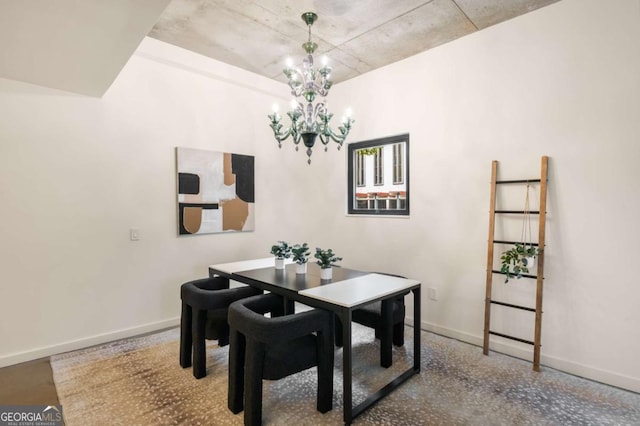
[308,85]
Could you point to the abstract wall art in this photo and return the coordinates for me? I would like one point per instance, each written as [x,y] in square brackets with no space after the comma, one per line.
[215,191]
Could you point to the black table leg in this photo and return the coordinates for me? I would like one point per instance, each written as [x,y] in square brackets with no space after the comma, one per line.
[347,367]
[386,333]
[416,330]
[351,412]
[289,306]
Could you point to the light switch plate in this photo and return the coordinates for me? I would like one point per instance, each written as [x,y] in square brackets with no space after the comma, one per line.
[433,293]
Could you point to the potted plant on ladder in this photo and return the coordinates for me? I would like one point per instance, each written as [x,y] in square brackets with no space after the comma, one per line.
[517,260]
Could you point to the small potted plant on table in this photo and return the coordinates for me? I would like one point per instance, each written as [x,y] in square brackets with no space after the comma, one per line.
[281,251]
[300,255]
[326,259]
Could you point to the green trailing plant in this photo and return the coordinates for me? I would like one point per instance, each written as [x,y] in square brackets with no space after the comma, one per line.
[515,260]
[282,250]
[326,258]
[368,151]
[300,253]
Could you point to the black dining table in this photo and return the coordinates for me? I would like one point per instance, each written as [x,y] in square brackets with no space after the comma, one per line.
[346,291]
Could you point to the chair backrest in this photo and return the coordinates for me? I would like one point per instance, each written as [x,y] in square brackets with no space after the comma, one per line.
[202,286]
[247,316]
[212,293]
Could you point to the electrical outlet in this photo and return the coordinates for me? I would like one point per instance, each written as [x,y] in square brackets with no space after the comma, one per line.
[433,293]
[134,234]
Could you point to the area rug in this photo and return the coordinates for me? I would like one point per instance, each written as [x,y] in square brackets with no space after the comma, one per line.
[139,381]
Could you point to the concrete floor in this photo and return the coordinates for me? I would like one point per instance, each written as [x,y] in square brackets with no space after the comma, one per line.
[29,383]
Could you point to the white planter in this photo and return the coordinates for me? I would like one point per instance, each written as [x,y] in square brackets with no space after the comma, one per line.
[531,262]
[301,268]
[279,263]
[326,273]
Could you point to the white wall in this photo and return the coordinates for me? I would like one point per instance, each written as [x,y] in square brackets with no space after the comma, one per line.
[76,173]
[563,81]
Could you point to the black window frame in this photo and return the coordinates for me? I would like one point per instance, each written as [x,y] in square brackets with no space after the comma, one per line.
[352,149]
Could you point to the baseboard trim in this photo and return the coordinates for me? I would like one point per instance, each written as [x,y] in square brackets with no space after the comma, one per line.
[72,345]
[586,371]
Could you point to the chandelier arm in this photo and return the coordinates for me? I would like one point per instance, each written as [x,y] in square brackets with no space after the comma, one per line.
[344,132]
[320,90]
[296,90]
[319,111]
[280,137]
[296,80]
[336,138]
[296,138]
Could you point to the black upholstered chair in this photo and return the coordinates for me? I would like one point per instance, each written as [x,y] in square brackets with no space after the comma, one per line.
[273,348]
[373,316]
[205,303]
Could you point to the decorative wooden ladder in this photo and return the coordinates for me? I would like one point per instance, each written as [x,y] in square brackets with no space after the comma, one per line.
[539,276]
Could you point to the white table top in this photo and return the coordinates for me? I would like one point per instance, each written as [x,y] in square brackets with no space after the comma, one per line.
[359,290]
[246,265]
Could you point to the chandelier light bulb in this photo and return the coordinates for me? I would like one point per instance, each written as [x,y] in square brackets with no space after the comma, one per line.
[275,108]
[325,60]
[294,105]
[347,116]
[289,62]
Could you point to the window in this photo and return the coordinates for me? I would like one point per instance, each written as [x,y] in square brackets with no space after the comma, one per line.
[398,163]
[360,167]
[378,176]
[378,166]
